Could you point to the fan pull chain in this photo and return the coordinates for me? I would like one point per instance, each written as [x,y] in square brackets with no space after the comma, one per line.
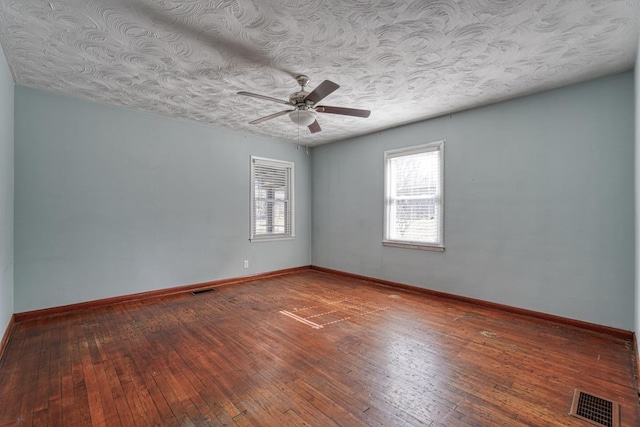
[298,132]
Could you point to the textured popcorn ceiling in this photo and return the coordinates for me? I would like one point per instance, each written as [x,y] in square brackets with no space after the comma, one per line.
[403,60]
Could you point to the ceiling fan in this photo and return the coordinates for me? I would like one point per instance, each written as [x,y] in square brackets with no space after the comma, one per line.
[304,105]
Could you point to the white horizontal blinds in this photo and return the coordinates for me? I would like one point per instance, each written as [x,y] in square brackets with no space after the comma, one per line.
[414,195]
[272,198]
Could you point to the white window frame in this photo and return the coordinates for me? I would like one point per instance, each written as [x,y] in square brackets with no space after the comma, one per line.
[253,236]
[408,151]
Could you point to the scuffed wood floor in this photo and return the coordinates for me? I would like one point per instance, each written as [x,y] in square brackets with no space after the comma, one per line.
[308,349]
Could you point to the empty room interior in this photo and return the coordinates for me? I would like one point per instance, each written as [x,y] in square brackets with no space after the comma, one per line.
[305,213]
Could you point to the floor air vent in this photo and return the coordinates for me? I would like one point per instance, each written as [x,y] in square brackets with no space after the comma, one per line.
[594,409]
[203,291]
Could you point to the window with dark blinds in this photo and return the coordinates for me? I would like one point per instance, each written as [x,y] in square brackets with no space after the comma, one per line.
[414,196]
[271,199]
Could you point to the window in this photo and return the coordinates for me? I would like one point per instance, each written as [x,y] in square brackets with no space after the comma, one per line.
[271,199]
[414,197]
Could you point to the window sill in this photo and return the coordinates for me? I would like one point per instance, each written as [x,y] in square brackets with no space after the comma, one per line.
[270,239]
[413,246]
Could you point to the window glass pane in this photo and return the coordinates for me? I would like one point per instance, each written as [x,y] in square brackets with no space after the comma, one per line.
[417,174]
[415,220]
[260,217]
[279,217]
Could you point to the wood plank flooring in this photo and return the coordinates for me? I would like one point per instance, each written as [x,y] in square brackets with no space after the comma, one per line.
[307,349]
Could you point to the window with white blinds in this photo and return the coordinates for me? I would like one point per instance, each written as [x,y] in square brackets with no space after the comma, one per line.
[414,186]
[271,199]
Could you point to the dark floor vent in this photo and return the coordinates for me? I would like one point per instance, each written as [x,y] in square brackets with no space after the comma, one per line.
[595,410]
[203,291]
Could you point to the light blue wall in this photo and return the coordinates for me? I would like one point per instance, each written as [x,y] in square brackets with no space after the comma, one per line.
[110,201]
[539,204]
[6,194]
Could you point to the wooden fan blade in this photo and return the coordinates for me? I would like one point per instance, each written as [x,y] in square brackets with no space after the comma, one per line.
[314,127]
[272,116]
[344,111]
[266,98]
[325,88]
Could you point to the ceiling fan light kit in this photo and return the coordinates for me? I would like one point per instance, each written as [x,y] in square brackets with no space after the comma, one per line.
[303,117]
[304,104]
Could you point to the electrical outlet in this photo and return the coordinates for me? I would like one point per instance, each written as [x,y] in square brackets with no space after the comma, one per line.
[246,263]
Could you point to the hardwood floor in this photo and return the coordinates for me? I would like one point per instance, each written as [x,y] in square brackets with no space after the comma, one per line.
[308,349]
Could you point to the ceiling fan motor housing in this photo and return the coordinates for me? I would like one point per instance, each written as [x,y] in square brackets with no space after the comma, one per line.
[303,115]
[297,98]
